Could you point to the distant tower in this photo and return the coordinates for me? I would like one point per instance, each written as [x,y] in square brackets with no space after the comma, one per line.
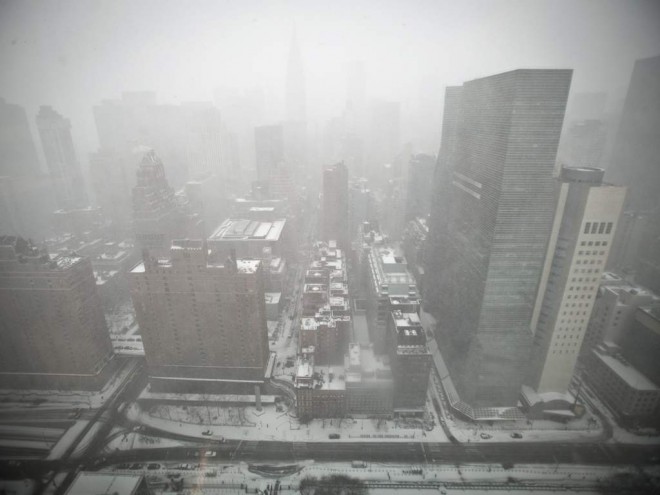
[635,164]
[335,205]
[158,215]
[57,143]
[18,155]
[269,145]
[489,229]
[585,221]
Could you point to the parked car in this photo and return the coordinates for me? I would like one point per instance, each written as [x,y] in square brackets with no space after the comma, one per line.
[153,466]
[209,453]
[515,434]
[123,466]
[135,466]
[486,436]
[334,436]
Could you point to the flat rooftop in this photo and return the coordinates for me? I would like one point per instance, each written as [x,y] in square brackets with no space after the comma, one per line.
[628,374]
[248,230]
[105,484]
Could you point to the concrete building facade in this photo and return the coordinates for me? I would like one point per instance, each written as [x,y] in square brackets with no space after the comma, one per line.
[584,227]
[54,333]
[202,320]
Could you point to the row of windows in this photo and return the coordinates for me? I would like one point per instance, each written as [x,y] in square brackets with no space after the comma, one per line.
[593,243]
[598,228]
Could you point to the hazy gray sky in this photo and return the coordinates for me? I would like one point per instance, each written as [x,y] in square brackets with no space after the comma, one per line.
[72,54]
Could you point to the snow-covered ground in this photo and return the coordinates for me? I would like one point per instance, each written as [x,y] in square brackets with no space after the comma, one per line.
[247,423]
[210,478]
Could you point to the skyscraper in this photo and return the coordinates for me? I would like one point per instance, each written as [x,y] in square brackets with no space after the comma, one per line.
[52,332]
[18,155]
[635,164]
[585,222]
[57,143]
[158,215]
[335,205]
[490,226]
[202,320]
[269,144]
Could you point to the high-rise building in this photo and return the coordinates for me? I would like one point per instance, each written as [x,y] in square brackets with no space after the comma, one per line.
[202,320]
[335,205]
[635,164]
[390,286]
[584,143]
[585,222]
[419,187]
[490,226]
[53,331]
[18,155]
[269,143]
[384,136]
[113,176]
[63,166]
[158,215]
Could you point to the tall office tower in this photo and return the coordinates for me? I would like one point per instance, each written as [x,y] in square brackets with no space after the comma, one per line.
[18,155]
[489,230]
[269,145]
[419,187]
[335,205]
[137,120]
[206,141]
[57,143]
[202,320]
[112,176]
[53,332]
[584,143]
[411,362]
[384,136]
[585,223]
[158,215]
[635,164]
[440,203]
[360,205]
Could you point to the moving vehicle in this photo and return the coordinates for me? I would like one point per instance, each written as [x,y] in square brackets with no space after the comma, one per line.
[209,453]
[207,433]
[486,436]
[359,464]
[515,434]
[334,436]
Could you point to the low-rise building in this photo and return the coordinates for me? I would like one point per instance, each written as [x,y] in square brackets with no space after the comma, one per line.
[627,391]
[369,383]
[411,362]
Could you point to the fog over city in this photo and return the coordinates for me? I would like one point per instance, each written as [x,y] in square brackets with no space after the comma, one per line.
[325,247]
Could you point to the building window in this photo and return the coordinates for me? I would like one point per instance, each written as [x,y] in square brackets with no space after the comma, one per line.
[587,227]
[601,227]
[609,228]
